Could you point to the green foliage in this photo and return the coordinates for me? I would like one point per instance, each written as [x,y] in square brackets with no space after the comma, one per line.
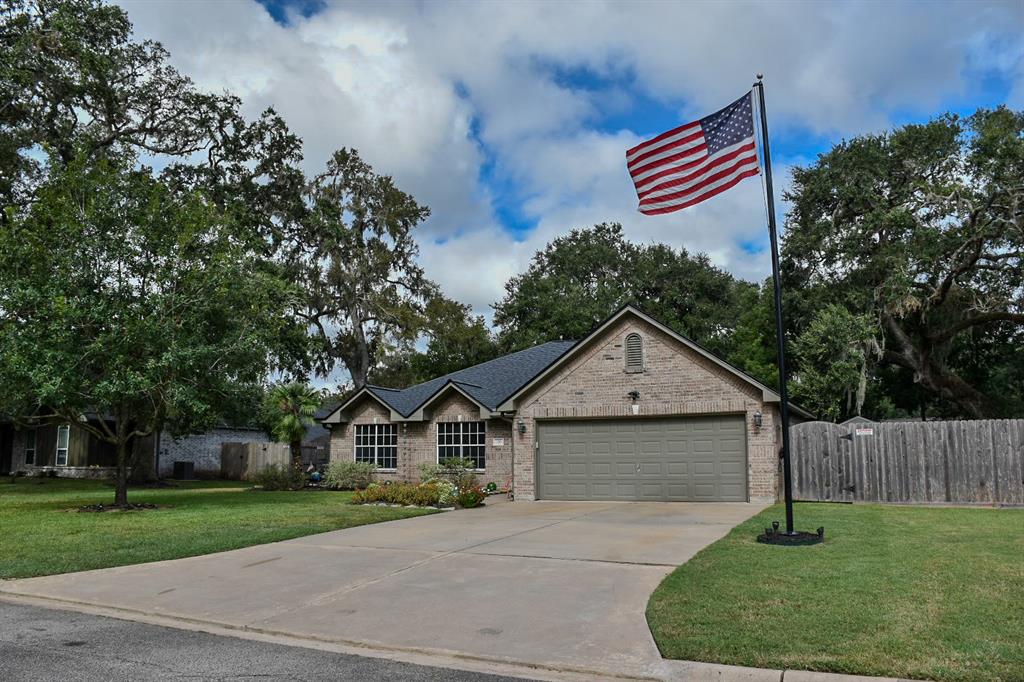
[421,495]
[834,354]
[349,475]
[288,410]
[470,497]
[920,229]
[455,339]
[279,477]
[121,296]
[578,280]
[458,472]
[356,261]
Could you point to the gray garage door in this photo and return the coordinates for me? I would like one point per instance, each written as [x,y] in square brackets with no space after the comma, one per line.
[679,459]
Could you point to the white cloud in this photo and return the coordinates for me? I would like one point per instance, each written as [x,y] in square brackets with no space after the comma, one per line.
[430,92]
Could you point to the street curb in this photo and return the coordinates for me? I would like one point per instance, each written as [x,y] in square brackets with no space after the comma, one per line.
[666,670]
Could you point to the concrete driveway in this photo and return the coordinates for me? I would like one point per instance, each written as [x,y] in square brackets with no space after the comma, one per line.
[558,586]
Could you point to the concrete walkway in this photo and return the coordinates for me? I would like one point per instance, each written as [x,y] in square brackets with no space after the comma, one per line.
[556,586]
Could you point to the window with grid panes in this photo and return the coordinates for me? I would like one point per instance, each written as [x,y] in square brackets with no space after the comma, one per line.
[462,440]
[377,444]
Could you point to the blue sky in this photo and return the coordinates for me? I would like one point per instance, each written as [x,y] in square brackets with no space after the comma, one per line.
[511,120]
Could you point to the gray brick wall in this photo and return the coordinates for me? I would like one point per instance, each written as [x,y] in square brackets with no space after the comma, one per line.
[203,449]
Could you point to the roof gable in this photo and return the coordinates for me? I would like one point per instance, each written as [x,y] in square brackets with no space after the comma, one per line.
[768,394]
[488,384]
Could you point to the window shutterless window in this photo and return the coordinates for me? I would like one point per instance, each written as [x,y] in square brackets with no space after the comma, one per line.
[63,435]
[30,446]
[377,444]
[462,440]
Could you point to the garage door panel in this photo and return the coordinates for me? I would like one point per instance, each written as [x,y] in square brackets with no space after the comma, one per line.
[694,458]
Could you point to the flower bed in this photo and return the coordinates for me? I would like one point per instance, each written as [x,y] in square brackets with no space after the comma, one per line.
[436,493]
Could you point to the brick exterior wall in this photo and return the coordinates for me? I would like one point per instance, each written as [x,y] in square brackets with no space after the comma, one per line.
[203,448]
[676,381]
[417,441]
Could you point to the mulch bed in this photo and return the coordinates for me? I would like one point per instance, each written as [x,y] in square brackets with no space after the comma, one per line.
[131,506]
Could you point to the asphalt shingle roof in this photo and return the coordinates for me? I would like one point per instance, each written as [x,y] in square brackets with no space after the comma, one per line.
[489,383]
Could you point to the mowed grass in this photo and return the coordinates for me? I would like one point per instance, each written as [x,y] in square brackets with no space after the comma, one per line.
[41,532]
[932,593]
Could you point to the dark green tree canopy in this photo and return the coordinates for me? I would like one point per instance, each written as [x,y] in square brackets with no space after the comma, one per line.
[122,297]
[580,279]
[921,230]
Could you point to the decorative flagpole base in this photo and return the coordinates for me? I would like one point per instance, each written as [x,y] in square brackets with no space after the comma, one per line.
[772,536]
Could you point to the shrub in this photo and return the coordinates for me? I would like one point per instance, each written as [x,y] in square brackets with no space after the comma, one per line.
[422,495]
[458,472]
[349,475]
[491,487]
[470,497]
[275,477]
[446,492]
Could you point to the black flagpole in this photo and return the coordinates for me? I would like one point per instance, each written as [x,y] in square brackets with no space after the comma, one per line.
[779,329]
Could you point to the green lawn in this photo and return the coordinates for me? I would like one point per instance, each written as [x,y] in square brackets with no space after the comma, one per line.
[898,591]
[41,533]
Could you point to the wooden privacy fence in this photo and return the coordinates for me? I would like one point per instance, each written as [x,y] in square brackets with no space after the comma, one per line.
[240,461]
[978,461]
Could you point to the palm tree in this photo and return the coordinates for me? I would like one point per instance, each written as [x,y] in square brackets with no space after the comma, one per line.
[290,409]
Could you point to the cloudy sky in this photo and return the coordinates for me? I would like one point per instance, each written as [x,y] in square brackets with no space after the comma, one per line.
[511,119]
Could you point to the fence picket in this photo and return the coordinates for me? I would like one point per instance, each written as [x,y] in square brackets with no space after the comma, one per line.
[962,461]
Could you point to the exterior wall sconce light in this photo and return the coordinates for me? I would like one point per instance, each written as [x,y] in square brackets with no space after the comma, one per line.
[758,419]
[521,427]
[634,396]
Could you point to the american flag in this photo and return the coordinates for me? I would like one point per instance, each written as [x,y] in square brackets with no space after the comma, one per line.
[695,161]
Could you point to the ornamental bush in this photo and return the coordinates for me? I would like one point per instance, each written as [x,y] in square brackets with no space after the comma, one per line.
[458,472]
[279,477]
[349,475]
[470,497]
[422,495]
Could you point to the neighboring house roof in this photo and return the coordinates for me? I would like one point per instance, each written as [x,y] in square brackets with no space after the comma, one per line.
[497,384]
[488,384]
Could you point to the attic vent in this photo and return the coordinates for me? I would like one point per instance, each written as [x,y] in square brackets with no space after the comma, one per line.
[634,353]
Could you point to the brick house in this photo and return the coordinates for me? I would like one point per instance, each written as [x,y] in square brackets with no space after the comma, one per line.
[634,411]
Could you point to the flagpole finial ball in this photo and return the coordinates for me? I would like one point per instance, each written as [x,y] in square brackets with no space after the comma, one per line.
[760,76]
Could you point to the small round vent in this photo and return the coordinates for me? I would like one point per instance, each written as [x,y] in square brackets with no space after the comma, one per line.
[634,353]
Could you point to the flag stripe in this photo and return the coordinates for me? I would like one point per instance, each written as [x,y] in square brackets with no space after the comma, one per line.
[707,195]
[677,179]
[699,186]
[685,142]
[689,156]
[696,161]
[664,138]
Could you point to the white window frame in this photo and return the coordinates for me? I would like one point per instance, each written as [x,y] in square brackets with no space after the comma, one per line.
[376,446]
[31,435]
[66,430]
[460,445]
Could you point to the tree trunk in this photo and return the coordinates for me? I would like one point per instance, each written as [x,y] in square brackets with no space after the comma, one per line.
[932,375]
[296,448]
[121,492]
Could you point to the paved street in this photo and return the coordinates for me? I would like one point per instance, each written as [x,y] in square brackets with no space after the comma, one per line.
[44,644]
